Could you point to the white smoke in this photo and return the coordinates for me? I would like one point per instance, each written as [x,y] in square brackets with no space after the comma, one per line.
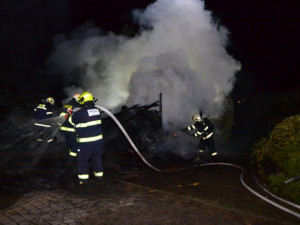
[182,56]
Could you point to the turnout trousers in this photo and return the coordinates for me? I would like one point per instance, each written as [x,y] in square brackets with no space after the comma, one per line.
[209,143]
[94,154]
[44,134]
[70,138]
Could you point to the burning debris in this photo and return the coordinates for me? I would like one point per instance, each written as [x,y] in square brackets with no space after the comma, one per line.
[27,163]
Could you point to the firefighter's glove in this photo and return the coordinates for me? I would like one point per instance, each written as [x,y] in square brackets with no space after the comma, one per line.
[70,111]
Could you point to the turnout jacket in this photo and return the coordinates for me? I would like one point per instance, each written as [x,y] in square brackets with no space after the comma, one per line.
[87,123]
[73,105]
[204,128]
[41,113]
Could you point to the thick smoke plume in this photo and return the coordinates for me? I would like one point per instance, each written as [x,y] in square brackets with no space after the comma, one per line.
[181,54]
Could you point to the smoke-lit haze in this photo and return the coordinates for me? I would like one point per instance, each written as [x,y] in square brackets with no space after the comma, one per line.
[182,55]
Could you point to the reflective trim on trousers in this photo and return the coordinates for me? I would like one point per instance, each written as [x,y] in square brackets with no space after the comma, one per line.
[83,176]
[98,174]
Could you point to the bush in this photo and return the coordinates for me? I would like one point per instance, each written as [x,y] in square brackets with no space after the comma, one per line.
[277,158]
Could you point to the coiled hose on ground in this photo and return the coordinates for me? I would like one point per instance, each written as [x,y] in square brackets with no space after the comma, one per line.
[202,165]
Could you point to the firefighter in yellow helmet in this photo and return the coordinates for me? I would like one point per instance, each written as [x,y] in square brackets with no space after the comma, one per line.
[87,123]
[68,130]
[42,114]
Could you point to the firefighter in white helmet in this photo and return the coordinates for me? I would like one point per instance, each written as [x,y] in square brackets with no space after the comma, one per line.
[204,129]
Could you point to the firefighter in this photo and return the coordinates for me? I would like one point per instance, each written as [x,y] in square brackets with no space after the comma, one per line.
[204,129]
[87,123]
[68,130]
[42,113]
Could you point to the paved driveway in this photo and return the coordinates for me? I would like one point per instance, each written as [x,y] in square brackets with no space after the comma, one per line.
[207,196]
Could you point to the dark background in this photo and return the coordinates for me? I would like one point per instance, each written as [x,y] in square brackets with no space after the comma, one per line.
[264,38]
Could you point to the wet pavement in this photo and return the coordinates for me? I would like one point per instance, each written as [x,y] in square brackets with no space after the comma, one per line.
[207,195]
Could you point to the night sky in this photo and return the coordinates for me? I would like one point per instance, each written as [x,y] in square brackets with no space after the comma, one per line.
[264,38]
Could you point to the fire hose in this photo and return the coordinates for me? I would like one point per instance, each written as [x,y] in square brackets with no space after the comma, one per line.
[202,165]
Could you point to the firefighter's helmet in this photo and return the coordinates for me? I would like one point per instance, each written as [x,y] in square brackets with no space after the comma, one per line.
[76,97]
[196,118]
[50,100]
[85,97]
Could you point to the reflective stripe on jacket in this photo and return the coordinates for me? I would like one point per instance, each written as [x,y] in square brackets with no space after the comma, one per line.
[43,111]
[87,123]
[66,126]
[203,128]
[68,129]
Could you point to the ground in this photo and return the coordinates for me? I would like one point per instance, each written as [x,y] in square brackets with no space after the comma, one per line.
[200,195]
[38,188]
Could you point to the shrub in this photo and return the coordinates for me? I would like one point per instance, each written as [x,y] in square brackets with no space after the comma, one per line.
[277,158]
